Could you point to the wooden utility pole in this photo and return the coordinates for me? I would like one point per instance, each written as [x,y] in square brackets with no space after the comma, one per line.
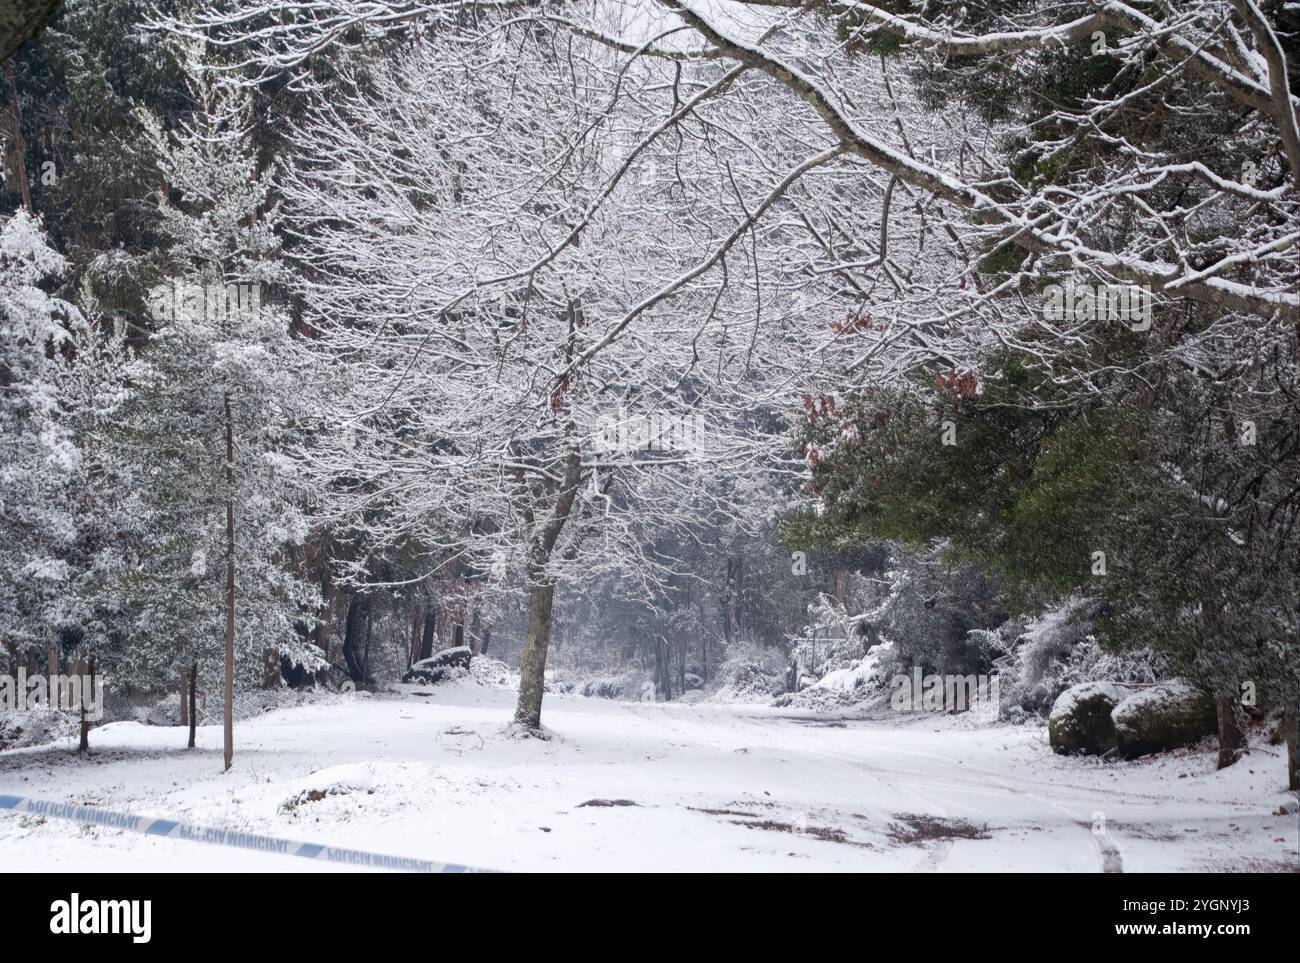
[194,705]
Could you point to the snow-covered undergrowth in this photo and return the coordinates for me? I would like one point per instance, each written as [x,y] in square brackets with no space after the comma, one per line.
[1057,650]
[35,727]
[865,681]
[629,786]
[1035,661]
[492,673]
[751,674]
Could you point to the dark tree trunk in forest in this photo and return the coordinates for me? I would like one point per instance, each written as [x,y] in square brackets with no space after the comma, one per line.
[430,626]
[681,662]
[194,705]
[1291,732]
[185,697]
[487,637]
[52,663]
[354,625]
[365,654]
[1232,729]
[20,148]
[663,670]
[228,719]
[417,625]
[84,745]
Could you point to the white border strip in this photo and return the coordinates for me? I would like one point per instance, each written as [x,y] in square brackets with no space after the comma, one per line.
[172,829]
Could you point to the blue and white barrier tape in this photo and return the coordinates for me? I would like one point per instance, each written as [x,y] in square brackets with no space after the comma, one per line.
[224,837]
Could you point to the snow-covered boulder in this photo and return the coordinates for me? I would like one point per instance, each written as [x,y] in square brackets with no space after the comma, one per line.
[1162,717]
[441,666]
[1081,719]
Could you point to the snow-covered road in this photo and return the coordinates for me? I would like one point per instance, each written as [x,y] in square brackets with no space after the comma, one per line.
[626,786]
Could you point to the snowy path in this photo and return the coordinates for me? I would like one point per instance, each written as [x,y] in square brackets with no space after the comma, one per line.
[713,787]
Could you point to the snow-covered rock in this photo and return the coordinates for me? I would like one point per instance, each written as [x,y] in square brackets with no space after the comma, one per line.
[334,781]
[1080,721]
[1162,717]
[440,666]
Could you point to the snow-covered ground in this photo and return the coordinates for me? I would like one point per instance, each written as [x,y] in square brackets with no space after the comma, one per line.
[711,787]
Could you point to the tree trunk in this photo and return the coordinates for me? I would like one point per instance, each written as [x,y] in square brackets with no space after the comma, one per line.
[228,721]
[475,633]
[417,625]
[487,638]
[59,695]
[532,679]
[365,655]
[84,746]
[270,668]
[663,671]
[184,688]
[194,705]
[541,600]
[354,625]
[1291,730]
[430,624]
[20,148]
[1232,730]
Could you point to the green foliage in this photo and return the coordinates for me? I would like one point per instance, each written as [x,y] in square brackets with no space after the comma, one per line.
[1030,487]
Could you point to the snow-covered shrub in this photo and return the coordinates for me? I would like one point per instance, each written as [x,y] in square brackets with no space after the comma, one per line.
[492,673]
[35,727]
[751,673]
[859,681]
[613,685]
[936,613]
[1059,649]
